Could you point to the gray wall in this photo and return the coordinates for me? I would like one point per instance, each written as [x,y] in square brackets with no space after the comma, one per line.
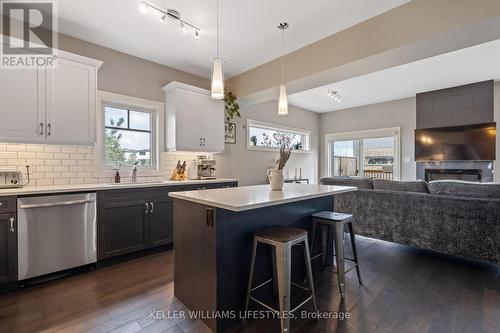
[125,74]
[128,75]
[401,113]
[250,166]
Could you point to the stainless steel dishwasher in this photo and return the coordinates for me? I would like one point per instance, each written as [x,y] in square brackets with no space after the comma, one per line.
[55,233]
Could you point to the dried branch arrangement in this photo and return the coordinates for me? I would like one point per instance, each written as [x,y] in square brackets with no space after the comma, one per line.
[285,153]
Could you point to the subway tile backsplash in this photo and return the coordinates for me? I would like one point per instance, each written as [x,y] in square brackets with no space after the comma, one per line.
[65,165]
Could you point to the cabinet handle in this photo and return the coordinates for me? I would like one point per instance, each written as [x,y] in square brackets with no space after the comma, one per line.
[203,141]
[147,207]
[152,207]
[11,225]
[41,128]
[49,132]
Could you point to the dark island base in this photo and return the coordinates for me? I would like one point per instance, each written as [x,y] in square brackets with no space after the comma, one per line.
[212,251]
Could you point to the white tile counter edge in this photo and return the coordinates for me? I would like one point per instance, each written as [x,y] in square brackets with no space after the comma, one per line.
[250,197]
[101,187]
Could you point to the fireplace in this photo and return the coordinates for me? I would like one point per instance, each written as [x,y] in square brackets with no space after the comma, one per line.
[473,175]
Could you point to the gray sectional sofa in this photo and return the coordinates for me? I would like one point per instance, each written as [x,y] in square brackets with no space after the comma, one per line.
[451,217]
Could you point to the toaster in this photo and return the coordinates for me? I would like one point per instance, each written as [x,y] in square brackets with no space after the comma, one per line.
[11,178]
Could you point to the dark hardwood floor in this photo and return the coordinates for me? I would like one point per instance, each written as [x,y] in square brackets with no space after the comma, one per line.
[404,291]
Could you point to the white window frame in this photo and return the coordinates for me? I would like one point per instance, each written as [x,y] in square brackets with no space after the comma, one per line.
[367,134]
[251,122]
[134,103]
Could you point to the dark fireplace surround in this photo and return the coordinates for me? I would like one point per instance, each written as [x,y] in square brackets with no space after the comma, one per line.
[473,175]
[456,106]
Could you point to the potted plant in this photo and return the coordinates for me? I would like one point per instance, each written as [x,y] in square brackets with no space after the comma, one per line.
[275,175]
[253,140]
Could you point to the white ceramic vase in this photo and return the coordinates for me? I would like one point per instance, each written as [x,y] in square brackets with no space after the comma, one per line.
[276,179]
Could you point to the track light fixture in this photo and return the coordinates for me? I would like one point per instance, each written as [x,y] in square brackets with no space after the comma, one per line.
[334,94]
[172,14]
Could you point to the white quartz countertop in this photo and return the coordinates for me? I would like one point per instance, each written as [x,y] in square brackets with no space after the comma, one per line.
[251,197]
[29,190]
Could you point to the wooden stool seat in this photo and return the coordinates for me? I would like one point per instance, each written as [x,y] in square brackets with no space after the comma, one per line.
[281,234]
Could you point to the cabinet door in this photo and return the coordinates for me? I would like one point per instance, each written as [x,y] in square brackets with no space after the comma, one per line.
[8,248]
[70,95]
[123,227]
[161,221]
[212,112]
[23,105]
[188,120]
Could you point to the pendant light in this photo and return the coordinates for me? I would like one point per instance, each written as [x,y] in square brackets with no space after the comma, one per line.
[283,99]
[217,90]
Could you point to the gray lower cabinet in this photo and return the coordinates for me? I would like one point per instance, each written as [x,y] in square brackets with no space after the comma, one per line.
[136,219]
[161,223]
[8,240]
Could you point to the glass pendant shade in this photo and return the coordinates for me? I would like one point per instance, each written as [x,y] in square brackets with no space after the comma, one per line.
[283,101]
[217,79]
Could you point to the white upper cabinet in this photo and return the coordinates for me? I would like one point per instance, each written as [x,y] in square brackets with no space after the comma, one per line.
[50,105]
[71,103]
[194,121]
[22,105]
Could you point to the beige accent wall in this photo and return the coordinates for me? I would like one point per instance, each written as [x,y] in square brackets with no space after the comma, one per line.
[400,113]
[128,75]
[408,25]
[250,166]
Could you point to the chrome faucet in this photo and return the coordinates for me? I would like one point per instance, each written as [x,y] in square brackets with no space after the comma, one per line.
[134,172]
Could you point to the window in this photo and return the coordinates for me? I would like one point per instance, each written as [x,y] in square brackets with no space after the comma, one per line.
[265,136]
[128,136]
[373,153]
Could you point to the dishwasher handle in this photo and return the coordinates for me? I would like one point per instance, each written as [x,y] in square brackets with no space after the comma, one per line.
[56,204]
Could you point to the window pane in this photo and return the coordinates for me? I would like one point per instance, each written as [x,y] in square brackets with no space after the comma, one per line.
[274,138]
[140,120]
[115,117]
[378,157]
[124,148]
[345,161]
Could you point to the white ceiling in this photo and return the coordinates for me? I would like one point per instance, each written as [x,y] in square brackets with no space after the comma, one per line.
[474,64]
[249,36]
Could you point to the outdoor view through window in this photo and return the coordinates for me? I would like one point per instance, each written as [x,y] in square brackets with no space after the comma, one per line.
[128,137]
[370,157]
[268,137]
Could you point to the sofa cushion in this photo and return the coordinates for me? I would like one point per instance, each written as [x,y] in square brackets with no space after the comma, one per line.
[359,182]
[465,189]
[403,186]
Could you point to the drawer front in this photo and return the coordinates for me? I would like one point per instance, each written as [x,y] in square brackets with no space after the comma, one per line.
[7,204]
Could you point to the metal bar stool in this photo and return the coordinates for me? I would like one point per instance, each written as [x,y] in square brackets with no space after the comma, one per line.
[282,239]
[336,222]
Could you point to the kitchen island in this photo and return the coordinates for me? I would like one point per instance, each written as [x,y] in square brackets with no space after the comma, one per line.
[213,241]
